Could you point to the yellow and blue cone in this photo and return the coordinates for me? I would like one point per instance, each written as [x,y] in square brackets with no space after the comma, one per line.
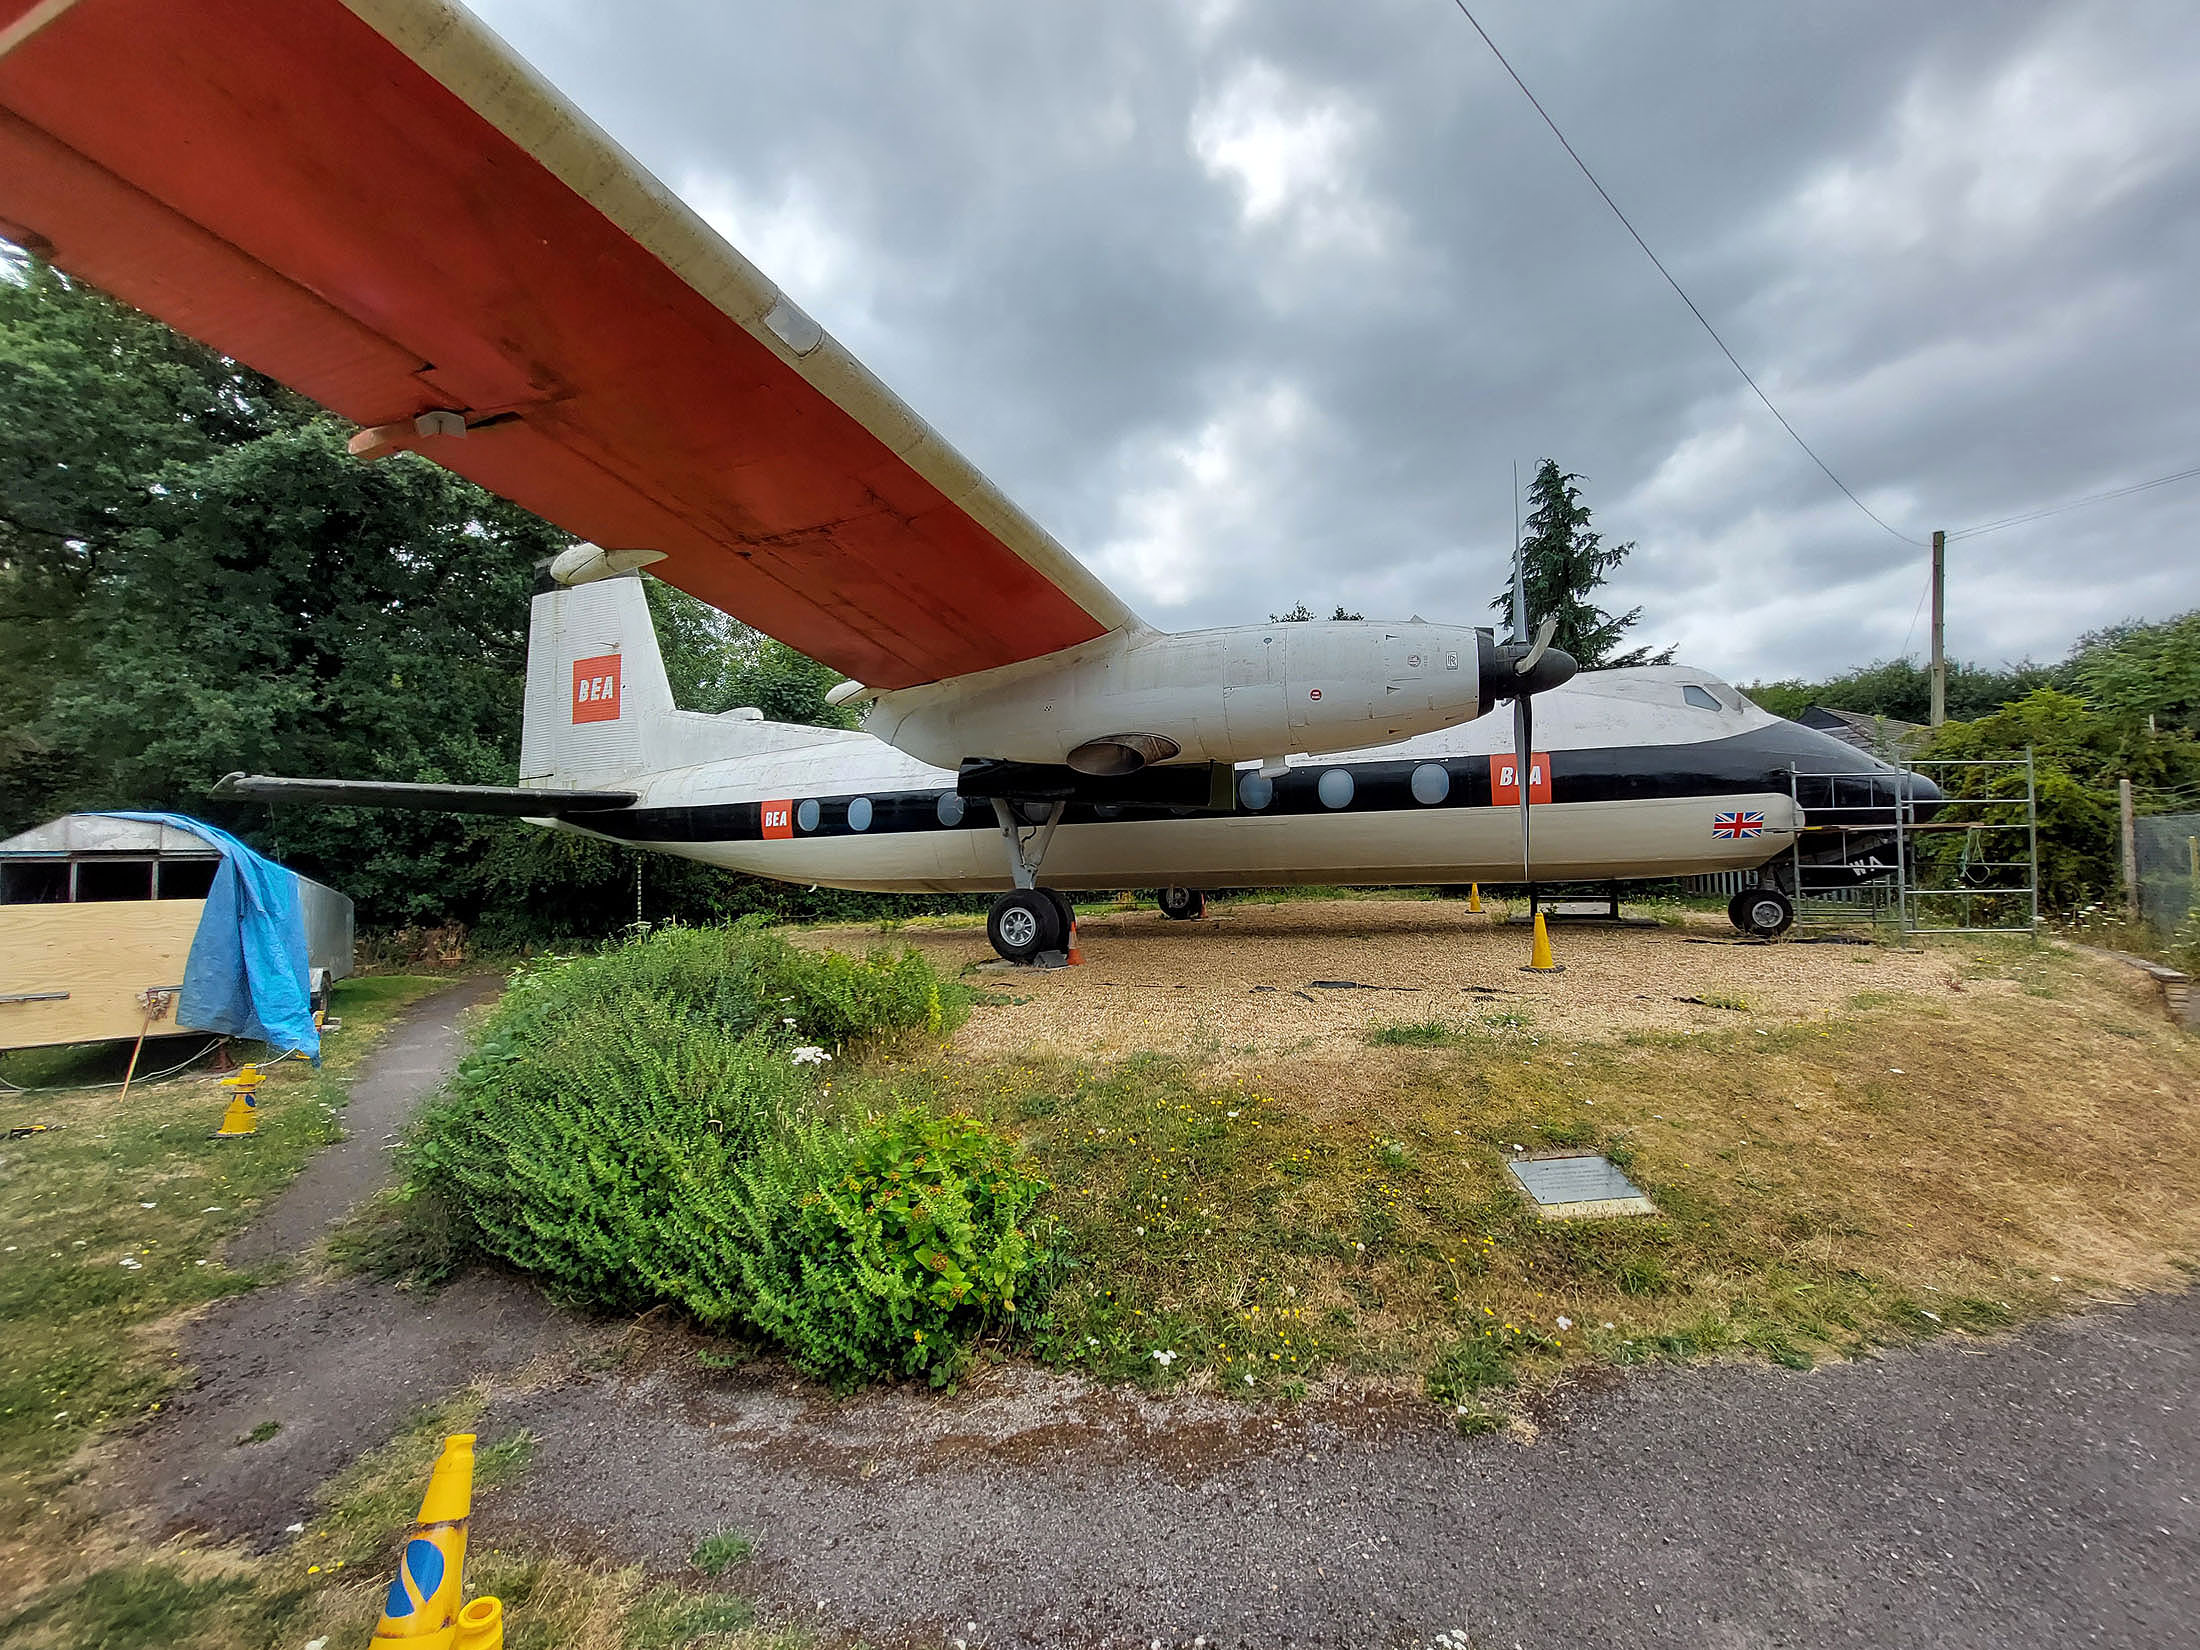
[421,1611]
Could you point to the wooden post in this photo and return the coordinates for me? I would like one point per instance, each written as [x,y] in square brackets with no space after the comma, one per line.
[2131,849]
[1940,627]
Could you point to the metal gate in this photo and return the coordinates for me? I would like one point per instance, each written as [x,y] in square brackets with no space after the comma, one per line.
[1967,864]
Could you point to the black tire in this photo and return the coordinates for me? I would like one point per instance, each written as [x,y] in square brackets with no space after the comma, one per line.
[1761,913]
[1062,904]
[1183,904]
[1024,923]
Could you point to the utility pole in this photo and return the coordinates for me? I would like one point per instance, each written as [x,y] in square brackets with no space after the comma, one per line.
[1940,627]
[2131,851]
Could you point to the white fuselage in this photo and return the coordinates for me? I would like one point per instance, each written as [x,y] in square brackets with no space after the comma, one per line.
[1652,769]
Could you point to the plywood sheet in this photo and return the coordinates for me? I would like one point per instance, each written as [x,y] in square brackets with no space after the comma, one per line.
[102,955]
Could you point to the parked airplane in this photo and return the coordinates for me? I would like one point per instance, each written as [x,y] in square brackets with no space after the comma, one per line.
[378,203]
[1654,772]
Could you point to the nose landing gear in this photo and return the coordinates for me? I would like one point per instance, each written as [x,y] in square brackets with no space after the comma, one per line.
[1184,904]
[1761,913]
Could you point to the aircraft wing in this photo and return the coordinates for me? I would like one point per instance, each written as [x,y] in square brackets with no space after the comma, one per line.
[530,802]
[379,204]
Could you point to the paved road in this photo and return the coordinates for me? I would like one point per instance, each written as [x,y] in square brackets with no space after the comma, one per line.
[2036,1492]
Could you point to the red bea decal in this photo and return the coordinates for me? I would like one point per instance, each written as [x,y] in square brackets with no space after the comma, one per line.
[1313,693]
[778,818]
[596,689]
[1505,778]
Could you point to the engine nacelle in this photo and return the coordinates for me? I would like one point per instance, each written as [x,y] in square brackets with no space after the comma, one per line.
[1132,699]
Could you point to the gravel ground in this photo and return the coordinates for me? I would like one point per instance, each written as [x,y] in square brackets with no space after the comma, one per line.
[2032,1492]
[1242,982]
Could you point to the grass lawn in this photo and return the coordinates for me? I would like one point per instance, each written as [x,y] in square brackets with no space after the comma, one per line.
[108,1227]
[1909,1167]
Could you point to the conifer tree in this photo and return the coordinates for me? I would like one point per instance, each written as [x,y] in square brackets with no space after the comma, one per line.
[1566,562]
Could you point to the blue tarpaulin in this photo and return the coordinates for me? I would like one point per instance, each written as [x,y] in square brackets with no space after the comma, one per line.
[247,974]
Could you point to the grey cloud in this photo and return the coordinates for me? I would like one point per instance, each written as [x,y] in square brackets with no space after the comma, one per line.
[1957,243]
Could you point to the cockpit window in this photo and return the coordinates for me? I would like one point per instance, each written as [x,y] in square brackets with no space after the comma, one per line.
[1701,698]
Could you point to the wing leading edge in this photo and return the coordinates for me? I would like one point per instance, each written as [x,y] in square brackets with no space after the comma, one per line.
[378,203]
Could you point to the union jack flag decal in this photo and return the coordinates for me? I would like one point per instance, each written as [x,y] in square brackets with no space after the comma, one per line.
[1736,825]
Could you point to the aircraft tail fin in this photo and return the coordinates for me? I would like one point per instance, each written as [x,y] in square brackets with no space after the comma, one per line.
[598,703]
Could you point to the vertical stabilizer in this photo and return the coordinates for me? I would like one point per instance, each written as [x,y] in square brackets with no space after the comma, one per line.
[596,685]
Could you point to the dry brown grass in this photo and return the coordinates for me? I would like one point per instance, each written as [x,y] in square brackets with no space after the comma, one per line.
[1947,1139]
[1239,984]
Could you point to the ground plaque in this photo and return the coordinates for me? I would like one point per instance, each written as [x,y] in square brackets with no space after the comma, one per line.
[1579,1186]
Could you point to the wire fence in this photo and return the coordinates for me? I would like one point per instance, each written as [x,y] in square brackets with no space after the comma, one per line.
[2168,847]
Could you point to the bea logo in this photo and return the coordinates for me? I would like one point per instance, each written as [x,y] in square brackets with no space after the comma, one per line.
[596,689]
[1505,778]
[778,818]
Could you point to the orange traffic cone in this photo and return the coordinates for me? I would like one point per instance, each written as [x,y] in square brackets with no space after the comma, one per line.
[421,1612]
[1539,954]
[1075,956]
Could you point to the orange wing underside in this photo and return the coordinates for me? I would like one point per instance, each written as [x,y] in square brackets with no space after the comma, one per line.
[283,183]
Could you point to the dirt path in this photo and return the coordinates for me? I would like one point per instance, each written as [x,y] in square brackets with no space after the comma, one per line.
[335,1363]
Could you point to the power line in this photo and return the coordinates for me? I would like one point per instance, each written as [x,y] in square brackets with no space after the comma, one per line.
[1701,318]
[2072,504]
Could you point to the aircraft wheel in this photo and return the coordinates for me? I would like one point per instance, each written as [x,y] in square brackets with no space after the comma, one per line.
[1762,913]
[1184,904]
[1062,904]
[1024,923]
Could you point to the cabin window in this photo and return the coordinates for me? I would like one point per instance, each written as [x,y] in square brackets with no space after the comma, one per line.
[1335,789]
[1256,791]
[111,879]
[186,878]
[1701,698]
[950,810]
[808,814]
[1431,784]
[859,814]
[34,882]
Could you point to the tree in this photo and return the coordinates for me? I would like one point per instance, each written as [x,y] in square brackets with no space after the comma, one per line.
[2140,671]
[195,577]
[1903,690]
[1302,614]
[1564,561]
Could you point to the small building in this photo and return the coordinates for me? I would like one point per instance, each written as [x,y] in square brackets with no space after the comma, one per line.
[97,918]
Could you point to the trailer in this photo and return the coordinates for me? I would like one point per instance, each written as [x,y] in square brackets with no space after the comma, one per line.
[98,913]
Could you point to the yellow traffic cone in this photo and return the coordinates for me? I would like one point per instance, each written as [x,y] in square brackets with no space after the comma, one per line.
[480,1626]
[243,1115]
[1539,955]
[1474,896]
[421,1611]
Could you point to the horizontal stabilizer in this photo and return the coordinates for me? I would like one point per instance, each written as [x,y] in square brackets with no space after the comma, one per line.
[529,801]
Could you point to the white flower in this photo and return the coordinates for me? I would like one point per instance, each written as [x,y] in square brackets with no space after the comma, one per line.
[788,1020]
[1092,1340]
[1609,1324]
[130,1263]
[1565,1323]
[1164,1359]
[1233,1114]
[1248,1380]
[809,1055]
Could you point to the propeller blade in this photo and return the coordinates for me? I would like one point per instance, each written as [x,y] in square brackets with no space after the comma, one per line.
[1524,748]
[1520,592]
[1544,632]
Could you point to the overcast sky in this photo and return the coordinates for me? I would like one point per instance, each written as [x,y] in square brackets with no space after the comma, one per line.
[1255,301]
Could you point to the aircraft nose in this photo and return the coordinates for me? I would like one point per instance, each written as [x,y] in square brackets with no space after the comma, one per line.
[1920,791]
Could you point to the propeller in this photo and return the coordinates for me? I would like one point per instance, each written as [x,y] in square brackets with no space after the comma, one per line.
[1518,670]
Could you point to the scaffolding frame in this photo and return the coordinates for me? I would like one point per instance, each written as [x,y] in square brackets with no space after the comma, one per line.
[1913,892]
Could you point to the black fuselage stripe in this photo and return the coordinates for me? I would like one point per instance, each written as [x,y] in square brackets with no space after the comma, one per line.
[1752,764]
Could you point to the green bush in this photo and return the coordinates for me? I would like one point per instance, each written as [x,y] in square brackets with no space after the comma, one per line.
[636,1128]
[886,1247]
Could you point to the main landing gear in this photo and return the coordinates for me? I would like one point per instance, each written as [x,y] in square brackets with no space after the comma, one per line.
[1029,925]
[1761,913]
[1184,904]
